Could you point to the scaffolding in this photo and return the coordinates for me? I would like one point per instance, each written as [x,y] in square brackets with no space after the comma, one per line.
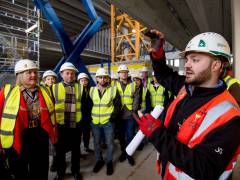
[19,35]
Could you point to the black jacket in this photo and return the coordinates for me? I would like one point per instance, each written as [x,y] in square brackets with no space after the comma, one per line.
[86,106]
[202,161]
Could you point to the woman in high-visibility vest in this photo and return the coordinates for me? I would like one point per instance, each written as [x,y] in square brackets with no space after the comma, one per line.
[48,79]
[83,79]
[27,122]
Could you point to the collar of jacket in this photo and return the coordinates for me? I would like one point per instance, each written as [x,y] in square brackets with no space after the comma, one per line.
[204,91]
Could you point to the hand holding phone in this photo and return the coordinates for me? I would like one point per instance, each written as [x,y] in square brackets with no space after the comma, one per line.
[156,38]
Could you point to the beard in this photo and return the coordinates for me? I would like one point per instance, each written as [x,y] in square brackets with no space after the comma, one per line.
[198,78]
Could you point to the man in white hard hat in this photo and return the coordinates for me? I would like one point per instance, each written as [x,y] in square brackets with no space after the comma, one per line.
[145,76]
[68,101]
[26,123]
[200,135]
[144,95]
[86,111]
[125,126]
[106,106]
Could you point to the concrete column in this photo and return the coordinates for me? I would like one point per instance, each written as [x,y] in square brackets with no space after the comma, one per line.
[236,37]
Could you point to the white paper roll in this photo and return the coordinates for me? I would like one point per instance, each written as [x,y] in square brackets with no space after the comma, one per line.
[133,145]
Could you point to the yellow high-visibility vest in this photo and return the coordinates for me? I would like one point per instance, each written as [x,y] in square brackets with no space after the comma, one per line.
[156,95]
[102,107]
[114,83]
[230,81]
[59,94]
[143,104]
[127,95]
[10,111]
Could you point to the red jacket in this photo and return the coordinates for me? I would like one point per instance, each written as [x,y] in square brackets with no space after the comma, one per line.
[22,120]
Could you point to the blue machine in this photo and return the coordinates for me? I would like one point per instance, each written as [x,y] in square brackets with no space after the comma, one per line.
[71,50]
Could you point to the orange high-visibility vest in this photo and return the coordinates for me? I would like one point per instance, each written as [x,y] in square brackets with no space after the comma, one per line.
[199,124]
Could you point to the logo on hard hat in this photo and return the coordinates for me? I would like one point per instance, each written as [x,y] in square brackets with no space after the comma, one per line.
[25,65]
[201,43]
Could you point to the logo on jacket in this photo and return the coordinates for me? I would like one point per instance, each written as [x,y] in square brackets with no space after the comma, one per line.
[219,150]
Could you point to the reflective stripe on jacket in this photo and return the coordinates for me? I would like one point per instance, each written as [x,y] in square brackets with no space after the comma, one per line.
[59,94]
[198,125]
[102,107]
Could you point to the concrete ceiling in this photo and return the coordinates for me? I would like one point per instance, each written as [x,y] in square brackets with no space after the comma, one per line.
[180,20]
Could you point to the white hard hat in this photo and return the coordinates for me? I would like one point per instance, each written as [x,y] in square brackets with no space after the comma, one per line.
[123,67]
[49,73]
[101,72]
[208,42]
[144,69]
[114,76]
[24,65]
[82,75]
[136,75]
[68,66]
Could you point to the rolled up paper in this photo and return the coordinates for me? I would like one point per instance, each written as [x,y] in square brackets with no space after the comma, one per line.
[133,145]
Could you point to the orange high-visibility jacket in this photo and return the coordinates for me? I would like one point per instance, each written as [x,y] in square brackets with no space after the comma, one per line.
[212,115]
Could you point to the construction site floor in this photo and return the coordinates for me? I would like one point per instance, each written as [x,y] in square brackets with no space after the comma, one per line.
[144,168]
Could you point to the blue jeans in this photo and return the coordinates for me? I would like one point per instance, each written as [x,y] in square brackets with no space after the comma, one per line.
[126,131]
[108,134]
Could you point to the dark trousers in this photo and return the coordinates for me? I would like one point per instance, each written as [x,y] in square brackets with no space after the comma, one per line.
[69,139]
[86,134]
[32,162]
[126,132]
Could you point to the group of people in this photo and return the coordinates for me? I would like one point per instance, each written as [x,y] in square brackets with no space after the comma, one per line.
[67,110]
[197,135]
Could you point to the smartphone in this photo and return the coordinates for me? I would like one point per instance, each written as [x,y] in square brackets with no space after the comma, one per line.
[151,35]
[155,40]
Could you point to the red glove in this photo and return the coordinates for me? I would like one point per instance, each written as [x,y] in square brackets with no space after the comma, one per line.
[148,124]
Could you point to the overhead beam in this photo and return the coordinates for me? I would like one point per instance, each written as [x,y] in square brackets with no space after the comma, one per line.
[198,11]
[73,11]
